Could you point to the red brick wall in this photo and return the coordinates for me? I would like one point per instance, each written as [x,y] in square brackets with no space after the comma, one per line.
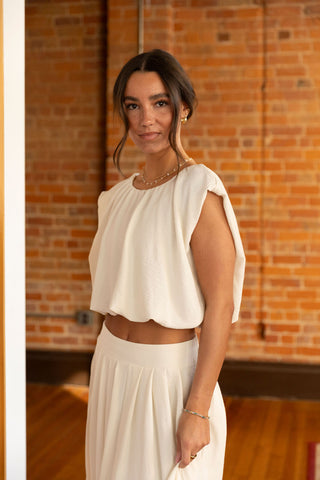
[65,156]
[291,192]
[256,71]
[257,75]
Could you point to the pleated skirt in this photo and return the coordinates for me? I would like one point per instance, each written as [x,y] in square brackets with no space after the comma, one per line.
[136,396]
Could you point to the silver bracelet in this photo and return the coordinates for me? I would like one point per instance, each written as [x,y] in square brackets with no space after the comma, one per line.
[195,413]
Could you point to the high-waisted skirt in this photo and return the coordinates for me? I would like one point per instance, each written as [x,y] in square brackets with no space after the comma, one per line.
[136,396]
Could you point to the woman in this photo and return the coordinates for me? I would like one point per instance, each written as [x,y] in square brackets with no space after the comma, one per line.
[167,258]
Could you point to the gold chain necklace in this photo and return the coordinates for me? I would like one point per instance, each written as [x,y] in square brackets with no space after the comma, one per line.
[163,176]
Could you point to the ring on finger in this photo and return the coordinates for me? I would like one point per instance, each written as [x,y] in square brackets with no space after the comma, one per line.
[192,457]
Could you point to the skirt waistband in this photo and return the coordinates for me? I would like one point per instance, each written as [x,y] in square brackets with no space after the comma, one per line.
[172,355]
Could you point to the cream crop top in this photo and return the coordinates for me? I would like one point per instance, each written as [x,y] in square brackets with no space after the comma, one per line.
[141,262]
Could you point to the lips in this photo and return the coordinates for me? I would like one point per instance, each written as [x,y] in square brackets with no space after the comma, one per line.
[149,136]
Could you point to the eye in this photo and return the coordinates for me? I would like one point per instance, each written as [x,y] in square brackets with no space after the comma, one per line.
[162,103]
[131,106]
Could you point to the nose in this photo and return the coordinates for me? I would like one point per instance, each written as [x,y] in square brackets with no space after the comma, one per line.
[147,117]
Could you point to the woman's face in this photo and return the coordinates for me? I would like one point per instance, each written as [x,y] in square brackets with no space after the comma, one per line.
[149,111]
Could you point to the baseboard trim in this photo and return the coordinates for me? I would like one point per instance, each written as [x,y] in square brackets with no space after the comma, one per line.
[237,378]
[58,367]
[269,379]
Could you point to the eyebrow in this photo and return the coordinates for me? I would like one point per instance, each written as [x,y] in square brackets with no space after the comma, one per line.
[152,97]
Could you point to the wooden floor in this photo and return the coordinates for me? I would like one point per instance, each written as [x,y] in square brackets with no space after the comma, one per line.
[55,432]
[267,439]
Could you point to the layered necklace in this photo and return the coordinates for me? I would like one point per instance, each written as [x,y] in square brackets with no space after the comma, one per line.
[157,180]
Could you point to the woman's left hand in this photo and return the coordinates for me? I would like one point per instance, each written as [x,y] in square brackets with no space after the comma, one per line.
[193,434]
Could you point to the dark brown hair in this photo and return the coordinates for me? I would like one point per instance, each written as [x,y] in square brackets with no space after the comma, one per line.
[175,80]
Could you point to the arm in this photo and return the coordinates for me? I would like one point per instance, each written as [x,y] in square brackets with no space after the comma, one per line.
[214,256]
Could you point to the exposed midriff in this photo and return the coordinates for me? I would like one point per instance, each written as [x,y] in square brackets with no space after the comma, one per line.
[148,332]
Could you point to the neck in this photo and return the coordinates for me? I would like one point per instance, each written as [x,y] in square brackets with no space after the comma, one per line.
[160,163]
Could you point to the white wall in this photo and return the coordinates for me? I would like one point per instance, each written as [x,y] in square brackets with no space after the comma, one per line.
[13,46]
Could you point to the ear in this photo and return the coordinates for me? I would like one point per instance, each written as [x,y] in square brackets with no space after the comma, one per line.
[184,110]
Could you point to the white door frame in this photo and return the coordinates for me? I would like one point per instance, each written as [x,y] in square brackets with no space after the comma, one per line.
[13,238]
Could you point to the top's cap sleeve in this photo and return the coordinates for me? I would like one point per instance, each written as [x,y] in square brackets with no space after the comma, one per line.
[201,180]
[102,202]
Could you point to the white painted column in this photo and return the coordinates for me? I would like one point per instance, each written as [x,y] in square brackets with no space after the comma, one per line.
[14,238]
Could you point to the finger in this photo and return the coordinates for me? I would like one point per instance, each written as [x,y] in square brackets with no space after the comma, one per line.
[185,458]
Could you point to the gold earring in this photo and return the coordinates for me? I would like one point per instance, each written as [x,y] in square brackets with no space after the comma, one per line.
[184,120]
